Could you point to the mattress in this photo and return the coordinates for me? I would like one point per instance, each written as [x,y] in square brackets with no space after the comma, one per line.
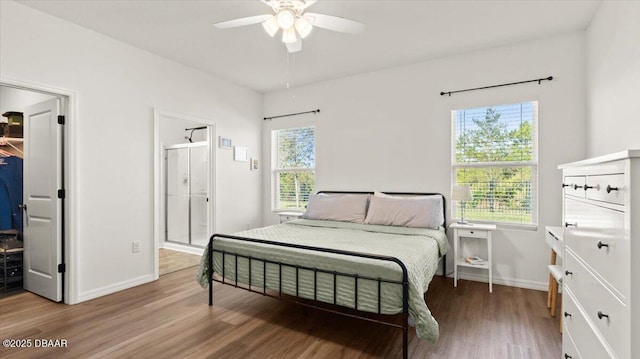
[419,249]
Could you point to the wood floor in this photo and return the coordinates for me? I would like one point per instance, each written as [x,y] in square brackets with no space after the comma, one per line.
[170,318]
[171,261]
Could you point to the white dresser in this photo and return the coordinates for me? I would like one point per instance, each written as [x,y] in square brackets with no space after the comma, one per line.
[601,287]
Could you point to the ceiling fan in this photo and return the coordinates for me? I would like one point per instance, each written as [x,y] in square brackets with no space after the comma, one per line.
[296,24]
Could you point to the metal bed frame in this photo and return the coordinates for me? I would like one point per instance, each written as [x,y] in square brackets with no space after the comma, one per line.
[315,304]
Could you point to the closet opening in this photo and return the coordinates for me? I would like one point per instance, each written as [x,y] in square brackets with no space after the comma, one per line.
[33,192]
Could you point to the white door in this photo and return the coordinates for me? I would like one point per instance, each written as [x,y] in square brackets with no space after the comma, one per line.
[42,207]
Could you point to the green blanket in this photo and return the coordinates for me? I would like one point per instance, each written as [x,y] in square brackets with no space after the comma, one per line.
[419,249]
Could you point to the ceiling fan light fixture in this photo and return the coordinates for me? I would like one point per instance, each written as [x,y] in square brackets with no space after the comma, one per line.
[289,36]
[271,26]
[286,19]
[304,27]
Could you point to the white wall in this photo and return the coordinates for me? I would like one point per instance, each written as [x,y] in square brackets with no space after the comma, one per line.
[613,78]
[117,87]
[172,131]
[391,130]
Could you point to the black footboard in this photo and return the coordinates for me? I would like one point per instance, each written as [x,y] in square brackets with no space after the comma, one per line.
[299,300]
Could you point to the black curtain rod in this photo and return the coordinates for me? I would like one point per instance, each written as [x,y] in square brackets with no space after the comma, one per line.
[195,128]
[292,114]
[488,87]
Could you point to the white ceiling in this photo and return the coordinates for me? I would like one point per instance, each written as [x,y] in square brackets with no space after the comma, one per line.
[397,33]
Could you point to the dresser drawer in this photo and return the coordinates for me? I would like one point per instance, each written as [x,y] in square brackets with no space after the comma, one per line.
[610,261]
[573,186]
[606,188]
[586,215]
[473,233]
[569,349]
[555,243]
[595,298]
[584,338]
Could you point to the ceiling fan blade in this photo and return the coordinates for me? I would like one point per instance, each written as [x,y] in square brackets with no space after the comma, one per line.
[335,23]
[294,46]
[242,21]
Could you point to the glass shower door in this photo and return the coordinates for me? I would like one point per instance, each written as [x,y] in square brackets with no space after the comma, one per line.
[199,164]
[177,205]
[186,206]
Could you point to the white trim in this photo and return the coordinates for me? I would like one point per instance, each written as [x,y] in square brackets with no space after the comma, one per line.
[116,287]
[532,163]
[70,110]
[496,164]
[275,170]
[158,175]
[509,282]
[183,248]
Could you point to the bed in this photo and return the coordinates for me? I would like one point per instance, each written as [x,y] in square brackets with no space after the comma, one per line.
[342,258]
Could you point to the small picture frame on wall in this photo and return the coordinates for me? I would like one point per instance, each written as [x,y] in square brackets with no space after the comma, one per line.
[240,154]
[254,164]
[225,142]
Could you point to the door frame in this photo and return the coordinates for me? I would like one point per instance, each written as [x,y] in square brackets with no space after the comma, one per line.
[158,180]
[69,168]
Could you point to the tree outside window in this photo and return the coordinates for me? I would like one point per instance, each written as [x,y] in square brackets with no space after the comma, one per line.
[294,170]
[495,153]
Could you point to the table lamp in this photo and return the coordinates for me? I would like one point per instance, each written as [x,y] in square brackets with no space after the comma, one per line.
[462,194]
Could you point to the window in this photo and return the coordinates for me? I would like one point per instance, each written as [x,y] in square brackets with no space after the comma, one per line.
[294,160]
[494,151]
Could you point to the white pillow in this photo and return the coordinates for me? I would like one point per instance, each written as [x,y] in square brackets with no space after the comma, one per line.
[337,207]
[416,211]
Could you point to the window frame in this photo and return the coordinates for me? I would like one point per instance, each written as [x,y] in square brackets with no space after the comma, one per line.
[276,171]
[533,164]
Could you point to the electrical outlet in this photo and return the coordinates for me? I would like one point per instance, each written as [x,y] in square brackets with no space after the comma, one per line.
[135,246]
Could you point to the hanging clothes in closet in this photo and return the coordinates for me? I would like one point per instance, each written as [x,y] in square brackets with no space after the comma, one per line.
[11,193]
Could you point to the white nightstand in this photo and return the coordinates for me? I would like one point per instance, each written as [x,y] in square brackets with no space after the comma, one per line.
[289,216]
[480,231]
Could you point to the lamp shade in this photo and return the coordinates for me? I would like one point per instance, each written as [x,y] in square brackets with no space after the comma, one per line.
[461,193]
[271,26]
[289,36]
[303,26]
[286,19]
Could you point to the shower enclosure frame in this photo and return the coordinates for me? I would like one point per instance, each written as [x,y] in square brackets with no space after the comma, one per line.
[207,215]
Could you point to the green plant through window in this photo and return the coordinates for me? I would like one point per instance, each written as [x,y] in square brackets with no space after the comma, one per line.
[294,171]
[495,153]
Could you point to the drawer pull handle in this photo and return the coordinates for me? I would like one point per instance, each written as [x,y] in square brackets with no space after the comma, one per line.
[568,272]
[567,356]
[600,245]
[575,186]
[609,189]
[566,315]
[567,224]
[602,315]
[471,232]
[586,187]
[566,185]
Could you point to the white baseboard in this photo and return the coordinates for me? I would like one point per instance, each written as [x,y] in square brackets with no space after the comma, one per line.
[183,248]
[510,282]
[112,288]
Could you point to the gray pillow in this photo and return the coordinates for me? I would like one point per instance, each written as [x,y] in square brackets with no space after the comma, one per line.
[337,207]
[417,211]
